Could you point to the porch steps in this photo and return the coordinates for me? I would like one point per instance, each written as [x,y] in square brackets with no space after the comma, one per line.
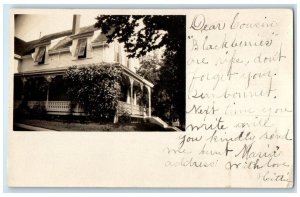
[175,128]
[156,120]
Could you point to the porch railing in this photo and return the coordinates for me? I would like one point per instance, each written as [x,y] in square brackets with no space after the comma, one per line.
[58,107]
[124,107]
[64,107]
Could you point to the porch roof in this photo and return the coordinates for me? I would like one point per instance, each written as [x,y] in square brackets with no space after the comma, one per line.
[58,71]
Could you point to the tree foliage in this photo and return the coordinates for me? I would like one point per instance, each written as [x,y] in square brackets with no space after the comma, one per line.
[144,33]
[150,69]
[96,87]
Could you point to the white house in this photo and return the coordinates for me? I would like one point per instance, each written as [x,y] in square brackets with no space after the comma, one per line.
[48,57]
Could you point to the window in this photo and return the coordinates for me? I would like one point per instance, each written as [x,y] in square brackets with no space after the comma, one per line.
[128,63]
[81,48]
[117,53]
[40,57]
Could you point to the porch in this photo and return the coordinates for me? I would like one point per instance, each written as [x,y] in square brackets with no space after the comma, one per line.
[47,91]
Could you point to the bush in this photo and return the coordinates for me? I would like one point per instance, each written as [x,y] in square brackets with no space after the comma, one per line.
[38,112]
[22,112]
[124,118]
[97,88]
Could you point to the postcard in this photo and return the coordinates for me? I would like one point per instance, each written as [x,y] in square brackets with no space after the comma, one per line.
[160,98]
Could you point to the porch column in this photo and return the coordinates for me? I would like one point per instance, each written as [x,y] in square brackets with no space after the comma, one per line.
[131,94]
[49,80]
[142,107]
[149,100]
[23,79]
[128,96]
[134,97]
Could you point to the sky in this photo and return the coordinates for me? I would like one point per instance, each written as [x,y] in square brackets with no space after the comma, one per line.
[30,26]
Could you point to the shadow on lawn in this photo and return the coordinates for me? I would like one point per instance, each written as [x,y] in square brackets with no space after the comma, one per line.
[90,126]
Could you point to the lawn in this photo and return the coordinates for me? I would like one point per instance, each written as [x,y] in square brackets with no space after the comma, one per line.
[91,126]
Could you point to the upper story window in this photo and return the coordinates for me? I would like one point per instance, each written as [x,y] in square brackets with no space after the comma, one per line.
[40,57]
[80,51]
[117,53]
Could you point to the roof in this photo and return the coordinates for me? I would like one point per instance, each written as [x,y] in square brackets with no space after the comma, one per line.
[53,36]
[65,42]
[63,69]
[20,46]
[25,48]
[100,38]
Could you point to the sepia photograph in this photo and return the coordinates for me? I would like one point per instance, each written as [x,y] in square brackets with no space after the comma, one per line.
[87,72]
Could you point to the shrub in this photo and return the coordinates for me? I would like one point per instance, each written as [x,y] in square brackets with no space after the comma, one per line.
[97,88]
[38,112]
[124,118]
[22,112]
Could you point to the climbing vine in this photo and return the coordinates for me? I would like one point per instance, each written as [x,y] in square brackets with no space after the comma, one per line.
[96,87]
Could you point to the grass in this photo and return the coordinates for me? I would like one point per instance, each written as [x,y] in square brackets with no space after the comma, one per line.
[91,126]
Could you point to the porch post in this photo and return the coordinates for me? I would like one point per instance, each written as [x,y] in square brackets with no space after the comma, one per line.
[134,97]
[49,80]
[149,100]
[142,107]
[131,94]
[23,79]
[47,94]
[128,96]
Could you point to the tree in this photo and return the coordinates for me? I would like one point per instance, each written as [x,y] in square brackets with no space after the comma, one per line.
[150,68]
[144,33]
[97,88]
